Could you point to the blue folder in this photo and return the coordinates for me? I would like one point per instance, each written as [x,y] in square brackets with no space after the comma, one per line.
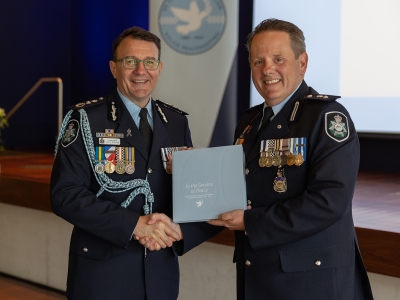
[207,182]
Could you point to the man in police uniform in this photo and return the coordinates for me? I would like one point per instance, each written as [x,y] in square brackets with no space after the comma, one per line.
[109,177]
[297,241]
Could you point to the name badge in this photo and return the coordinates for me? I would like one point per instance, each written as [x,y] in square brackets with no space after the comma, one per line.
[109,141]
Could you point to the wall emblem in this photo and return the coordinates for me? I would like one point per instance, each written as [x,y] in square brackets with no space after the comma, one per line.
[192,27]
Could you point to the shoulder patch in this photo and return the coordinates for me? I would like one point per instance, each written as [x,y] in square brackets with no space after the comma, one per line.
[327,98]
[253,107]
[336,126]
[171,107]
[86,103]
[71,133]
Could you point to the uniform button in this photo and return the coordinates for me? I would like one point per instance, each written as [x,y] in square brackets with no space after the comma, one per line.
[248,202]
[245,232]
[85,249]
[149,170]
[248,263]
[247,171]
[317,262]
[279,126]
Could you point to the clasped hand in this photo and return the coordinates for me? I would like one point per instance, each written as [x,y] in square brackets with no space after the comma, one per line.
[157,231]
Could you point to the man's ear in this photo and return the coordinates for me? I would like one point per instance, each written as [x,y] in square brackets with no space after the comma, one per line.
[113,68]
[160,67]
[303,58]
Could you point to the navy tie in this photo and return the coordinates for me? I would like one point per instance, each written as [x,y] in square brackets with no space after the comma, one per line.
[268,113]
[145,129]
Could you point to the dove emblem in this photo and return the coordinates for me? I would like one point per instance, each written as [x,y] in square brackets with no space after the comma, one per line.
[193,17]
[192,26]
[199,203]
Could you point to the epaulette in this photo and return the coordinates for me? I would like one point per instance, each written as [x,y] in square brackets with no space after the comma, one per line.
[86,104]
[171,107]
[253,108]
[328,98]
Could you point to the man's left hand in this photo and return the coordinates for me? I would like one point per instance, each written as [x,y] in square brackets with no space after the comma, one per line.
[233,220]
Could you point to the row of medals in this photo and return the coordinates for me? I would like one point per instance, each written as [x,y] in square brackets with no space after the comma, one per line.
[269,159]
[120,167]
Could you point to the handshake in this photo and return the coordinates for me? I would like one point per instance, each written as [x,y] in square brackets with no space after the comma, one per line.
[157,231]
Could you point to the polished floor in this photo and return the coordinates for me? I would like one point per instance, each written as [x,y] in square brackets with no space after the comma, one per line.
[14,289]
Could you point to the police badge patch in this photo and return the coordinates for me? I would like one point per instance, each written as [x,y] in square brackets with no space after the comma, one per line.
[336,126]
[71,133]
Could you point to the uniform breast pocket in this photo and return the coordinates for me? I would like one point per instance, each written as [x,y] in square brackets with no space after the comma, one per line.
[314,259]
[89,246]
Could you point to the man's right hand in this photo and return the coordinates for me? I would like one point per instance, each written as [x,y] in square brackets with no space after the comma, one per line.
[156,231]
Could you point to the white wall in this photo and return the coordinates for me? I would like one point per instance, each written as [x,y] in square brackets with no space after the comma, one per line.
[353,50]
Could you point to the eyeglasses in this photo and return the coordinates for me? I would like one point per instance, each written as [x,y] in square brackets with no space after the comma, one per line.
[132,63]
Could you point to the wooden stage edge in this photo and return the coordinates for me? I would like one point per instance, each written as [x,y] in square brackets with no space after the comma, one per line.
[25,181]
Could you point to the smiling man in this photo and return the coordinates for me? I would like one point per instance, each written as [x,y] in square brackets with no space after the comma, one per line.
[109,179]
[297,239]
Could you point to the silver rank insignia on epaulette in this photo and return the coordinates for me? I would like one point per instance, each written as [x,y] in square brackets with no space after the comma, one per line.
[87,103]
[171,107]
[328,98]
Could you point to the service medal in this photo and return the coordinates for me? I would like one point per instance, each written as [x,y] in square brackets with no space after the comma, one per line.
[120,167]
[268,160]
[129,160]
[298,161]
[276,160]
[280,184]
[129,169]
[99,168]
[263,159]
[290,159]
[109,167]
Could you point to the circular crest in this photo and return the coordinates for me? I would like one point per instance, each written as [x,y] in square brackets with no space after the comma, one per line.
[192,27]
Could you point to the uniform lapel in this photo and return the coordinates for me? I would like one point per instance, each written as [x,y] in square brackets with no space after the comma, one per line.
[279,126]
[251,137]
[127,126]
[160,134]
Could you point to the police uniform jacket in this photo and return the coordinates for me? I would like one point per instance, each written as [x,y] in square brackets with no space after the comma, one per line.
[301,244]
[104,262]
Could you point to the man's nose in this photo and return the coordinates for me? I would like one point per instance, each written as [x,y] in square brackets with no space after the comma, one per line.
[268,67]
[140,68]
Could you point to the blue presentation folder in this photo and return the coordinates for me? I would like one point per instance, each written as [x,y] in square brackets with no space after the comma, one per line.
[207,182]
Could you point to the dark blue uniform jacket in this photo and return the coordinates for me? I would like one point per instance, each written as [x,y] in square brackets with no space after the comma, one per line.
[301,244]
[104,263]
